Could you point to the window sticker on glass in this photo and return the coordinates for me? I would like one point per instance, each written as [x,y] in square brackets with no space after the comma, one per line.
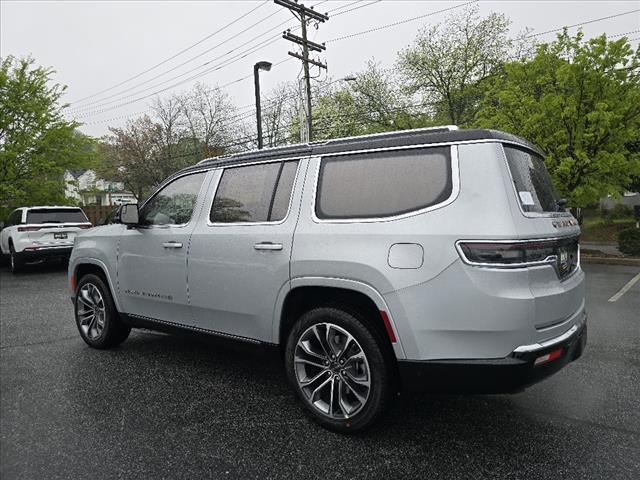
[526,198]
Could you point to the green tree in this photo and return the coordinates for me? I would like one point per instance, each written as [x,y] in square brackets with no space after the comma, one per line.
[448,62]
[36,143]
[370,102]
[580,103]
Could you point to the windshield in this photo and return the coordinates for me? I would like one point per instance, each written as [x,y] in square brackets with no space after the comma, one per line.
[532,180]
[56,215]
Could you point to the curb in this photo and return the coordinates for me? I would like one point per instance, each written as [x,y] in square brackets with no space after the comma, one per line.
[633,262]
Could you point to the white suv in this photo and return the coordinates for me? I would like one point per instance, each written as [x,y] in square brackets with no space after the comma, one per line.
[38,233]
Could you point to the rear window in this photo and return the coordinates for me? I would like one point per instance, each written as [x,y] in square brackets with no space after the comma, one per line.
[532,181]
[56,215]
[383,184]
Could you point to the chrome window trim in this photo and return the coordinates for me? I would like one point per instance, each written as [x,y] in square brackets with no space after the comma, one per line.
[246,224]
[161,187]
[455,185]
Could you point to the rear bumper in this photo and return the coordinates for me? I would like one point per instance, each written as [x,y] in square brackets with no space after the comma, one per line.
[504,375]
[41,253]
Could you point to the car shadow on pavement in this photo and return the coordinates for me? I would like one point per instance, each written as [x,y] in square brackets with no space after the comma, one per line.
[37,268]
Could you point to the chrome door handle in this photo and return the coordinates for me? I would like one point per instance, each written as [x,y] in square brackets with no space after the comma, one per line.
[172,244]
[268,246]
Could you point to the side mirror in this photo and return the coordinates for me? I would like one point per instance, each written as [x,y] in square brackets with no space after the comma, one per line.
[129,214]
[101,221]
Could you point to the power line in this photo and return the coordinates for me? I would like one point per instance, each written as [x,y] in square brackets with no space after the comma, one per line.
[175,85]
[623,34]
[371,30]
[90,110]
[176,54]
[189,61]
[399,22]
[583,23]
[91,105]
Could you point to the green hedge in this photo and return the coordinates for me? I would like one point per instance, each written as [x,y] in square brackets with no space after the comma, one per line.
[629,241]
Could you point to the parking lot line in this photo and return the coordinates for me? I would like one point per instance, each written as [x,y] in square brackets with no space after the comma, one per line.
[625,289]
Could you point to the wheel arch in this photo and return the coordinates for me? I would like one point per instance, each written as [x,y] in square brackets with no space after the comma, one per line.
[84,266]
[308,292]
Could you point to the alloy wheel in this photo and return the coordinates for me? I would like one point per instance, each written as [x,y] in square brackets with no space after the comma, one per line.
[91,311]
[332,371]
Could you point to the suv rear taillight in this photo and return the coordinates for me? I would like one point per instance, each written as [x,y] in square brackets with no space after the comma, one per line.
[29,229]
[562,253]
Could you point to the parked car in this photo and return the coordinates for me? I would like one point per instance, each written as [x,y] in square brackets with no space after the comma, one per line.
[437,258]
[40,233]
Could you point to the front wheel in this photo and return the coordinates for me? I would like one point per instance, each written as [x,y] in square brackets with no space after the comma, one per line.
[98,321]
[338,367]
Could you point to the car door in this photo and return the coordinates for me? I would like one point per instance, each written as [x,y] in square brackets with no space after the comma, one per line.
[239,257]
[152,258]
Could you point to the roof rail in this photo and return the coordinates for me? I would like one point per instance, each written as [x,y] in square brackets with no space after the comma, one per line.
[341,139]
[442,128]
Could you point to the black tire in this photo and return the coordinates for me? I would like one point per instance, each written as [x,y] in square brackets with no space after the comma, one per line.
[380,364]
[16,263]
[114,331]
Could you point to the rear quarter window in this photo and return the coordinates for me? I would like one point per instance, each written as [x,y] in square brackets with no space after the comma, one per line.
[383,184]
[531,180]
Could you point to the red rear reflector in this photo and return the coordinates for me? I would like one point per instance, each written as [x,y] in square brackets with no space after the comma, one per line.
[549,357]
[387,325]
[72,282]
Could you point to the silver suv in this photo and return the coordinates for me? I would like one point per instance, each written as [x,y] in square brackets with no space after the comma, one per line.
[437,258]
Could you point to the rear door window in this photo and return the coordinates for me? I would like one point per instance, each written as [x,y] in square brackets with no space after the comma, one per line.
[56,215]
[254,193]
[532,180]
[383,184]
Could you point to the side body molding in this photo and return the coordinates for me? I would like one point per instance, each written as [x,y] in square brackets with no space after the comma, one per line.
[344,283]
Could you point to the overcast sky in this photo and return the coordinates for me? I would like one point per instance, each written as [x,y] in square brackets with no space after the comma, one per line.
[95,45]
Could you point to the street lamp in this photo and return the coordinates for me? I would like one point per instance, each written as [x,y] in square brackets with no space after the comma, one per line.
[256,79]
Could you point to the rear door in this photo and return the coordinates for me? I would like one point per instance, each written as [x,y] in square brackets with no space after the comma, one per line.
[152,259]
[55,227]
[239,257]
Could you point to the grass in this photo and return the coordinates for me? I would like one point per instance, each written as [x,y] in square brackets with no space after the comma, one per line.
[597,229]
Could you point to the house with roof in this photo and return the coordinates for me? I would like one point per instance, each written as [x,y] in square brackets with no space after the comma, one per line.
[87,188]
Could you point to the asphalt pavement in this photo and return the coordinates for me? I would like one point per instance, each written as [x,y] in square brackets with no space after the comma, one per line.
[162,406]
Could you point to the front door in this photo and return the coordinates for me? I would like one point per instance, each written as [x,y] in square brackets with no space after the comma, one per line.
[239,255]
[152,258]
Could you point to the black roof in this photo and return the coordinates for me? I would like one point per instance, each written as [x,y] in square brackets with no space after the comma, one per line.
[383,140]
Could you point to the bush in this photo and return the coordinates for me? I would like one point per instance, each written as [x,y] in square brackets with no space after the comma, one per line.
[621,211]
[629,241]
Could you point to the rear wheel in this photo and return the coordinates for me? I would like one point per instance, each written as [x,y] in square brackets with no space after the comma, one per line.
[338,368]
[98,321]
[15,260]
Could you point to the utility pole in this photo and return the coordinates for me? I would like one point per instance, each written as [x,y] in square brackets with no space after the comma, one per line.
[305,15]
